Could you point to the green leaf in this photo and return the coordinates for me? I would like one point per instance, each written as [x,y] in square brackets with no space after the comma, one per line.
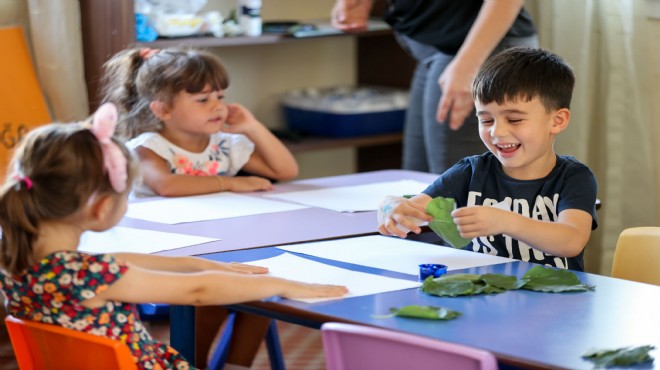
[426,312]
[443,224]
[552,280]
[506,282]
[448,287]
[537,278]
[626,356]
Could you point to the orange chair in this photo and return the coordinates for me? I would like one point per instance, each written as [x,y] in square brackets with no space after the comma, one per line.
[43,346]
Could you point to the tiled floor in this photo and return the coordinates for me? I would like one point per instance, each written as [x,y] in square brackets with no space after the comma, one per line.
[302,348]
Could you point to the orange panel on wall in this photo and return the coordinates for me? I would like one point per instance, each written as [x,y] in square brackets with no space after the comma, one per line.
[22,105]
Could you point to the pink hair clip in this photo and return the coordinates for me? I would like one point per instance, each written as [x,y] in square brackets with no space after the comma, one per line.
[146,53]
[25,179]
[114,161]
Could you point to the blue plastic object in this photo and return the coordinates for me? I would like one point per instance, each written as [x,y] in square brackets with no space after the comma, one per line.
[144,31]
[344,125]
[431,269]
[153,311]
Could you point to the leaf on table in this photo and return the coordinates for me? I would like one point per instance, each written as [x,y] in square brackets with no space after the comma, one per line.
[626,356]
[538,278]
[426,312]
[449,287]
[552,280]
[443,224]
[506,282]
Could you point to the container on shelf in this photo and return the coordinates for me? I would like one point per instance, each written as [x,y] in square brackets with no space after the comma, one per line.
[249,15]
[345,111]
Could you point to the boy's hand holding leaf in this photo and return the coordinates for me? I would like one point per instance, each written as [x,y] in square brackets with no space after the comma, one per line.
[398,216]
[443,224]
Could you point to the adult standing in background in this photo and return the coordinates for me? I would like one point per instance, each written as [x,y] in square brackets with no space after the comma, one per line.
[450,40]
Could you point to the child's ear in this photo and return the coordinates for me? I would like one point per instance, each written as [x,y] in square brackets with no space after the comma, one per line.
[101,208]
[160,109]
[560,119]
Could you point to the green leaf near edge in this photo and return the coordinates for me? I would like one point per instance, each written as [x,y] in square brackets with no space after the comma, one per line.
[426,312]
[626,356]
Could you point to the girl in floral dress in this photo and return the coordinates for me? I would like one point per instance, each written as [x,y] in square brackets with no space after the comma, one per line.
[188,139]
[66,179]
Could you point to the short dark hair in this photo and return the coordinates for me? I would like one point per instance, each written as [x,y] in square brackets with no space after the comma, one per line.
[525,73]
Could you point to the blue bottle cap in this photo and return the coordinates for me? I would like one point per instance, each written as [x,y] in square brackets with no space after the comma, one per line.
[431,269]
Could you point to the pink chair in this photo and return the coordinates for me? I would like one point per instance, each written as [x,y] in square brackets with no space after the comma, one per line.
[357,347]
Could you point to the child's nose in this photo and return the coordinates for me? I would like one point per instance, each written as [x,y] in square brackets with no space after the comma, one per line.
[498,129]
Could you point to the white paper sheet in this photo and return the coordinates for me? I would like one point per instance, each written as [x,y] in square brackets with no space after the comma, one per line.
[353,198]
[292,267]
[205,207]
[124,239]
[394,254]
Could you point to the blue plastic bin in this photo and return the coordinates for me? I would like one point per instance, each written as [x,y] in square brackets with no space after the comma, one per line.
[344,125]
[345,112]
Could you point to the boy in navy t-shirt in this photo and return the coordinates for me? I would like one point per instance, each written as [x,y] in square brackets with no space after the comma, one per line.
[520,199]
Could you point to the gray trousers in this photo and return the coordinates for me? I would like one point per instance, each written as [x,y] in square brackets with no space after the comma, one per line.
[427,145]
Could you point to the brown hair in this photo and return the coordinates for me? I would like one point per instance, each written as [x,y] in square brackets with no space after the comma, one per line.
[525,73]
[132,80]
[54,171]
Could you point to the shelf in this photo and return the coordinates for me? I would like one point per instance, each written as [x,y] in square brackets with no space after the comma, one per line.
[227,41]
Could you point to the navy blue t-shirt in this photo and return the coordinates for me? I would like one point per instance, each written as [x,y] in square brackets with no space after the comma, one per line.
[480,180]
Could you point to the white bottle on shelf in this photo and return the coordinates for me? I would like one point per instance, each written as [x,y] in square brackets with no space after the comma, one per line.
[249,15]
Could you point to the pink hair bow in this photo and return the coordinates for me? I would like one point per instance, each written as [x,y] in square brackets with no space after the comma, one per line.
[114,160]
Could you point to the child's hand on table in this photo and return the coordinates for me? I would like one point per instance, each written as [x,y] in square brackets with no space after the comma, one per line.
[304,290]
[244,268]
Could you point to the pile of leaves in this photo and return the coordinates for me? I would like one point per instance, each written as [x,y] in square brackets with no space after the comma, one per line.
[627,356]
[443,224]
[538,278]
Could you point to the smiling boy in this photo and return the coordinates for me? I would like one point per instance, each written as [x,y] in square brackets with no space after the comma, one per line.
[520,199]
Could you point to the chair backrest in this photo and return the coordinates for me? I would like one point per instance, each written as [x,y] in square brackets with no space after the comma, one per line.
[637,255]
[44,346]
[357,347]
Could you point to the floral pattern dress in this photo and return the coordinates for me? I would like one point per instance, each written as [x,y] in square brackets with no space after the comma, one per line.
[53,290]
[225,155]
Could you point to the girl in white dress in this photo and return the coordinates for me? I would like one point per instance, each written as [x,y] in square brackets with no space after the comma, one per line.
[189,141]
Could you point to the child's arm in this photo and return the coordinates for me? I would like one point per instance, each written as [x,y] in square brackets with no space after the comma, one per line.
[157,176]
[271,158]
[397,214]
[140,285]
[565,237]
[186,264]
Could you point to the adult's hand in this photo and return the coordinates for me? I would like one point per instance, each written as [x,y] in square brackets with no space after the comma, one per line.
[351,15]
[456,102]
